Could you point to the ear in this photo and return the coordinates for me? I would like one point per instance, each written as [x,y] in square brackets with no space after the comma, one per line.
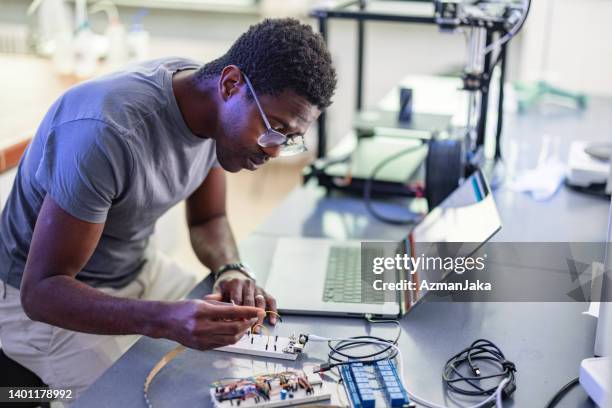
[230,82]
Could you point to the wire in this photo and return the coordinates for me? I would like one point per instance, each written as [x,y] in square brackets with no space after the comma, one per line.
[500,104]
[483,403]
[340,399]
[367,189]
[167,358]
[264,328]
[496,396]
[396,322]
[513,31]
[343,352]
[341,356]
[480,350]
[562,393]
[280,319]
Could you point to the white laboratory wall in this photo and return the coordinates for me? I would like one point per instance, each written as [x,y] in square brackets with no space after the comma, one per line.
[568,43]
[576,55]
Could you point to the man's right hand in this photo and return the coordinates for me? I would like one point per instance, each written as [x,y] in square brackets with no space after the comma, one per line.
[208,324]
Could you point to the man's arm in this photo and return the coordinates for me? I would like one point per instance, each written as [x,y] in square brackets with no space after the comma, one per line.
[214,244]
[211,236]
[61,246]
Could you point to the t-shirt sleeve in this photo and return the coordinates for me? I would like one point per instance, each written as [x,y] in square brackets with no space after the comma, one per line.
[215,162]
[85,165]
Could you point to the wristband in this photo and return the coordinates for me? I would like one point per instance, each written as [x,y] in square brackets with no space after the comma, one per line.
[239,266]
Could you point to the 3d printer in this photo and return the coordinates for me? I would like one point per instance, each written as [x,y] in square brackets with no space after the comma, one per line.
[448,154]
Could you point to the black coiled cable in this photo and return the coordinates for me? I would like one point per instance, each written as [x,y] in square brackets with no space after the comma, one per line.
[480,350]
[339,349]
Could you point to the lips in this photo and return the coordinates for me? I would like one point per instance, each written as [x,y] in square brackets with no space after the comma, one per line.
[258,162]
[252,164]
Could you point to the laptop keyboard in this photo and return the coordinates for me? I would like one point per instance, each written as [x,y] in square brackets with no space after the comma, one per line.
[343,278]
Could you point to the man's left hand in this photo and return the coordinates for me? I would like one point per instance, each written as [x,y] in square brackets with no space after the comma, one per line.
[234,286]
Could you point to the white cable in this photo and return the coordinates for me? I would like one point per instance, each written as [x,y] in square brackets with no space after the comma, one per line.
[497,395]
[510,33]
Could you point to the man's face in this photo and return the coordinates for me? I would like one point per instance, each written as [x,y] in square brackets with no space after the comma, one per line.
[241,124]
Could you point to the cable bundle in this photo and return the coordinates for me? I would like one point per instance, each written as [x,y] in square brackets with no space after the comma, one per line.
[480,350]
[343,351]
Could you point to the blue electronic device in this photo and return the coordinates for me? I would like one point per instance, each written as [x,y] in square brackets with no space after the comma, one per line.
[374,385]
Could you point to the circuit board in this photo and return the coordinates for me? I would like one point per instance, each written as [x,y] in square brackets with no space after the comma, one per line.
[374,385]
[270,390]
[285,348]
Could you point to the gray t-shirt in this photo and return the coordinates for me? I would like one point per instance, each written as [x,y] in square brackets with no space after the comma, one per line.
[115,150]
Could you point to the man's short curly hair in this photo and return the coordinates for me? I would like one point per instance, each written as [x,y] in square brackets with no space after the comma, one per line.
[281,54]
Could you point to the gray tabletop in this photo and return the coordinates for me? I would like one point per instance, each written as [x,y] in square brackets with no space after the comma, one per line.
[547,341]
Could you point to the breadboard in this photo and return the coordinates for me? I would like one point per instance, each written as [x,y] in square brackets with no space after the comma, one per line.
[284,348]
[322,391]
[298,399]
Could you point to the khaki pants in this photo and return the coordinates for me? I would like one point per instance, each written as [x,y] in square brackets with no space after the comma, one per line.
[67,359]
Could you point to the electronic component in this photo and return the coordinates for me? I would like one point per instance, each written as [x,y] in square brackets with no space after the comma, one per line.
[270,390]
[265,345]
[374,385]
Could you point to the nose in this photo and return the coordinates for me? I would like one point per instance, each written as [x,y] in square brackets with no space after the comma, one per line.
[272,152]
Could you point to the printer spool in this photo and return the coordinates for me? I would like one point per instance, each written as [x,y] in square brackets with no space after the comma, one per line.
[443,169]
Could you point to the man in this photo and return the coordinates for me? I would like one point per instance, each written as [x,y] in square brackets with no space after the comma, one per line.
[110,157]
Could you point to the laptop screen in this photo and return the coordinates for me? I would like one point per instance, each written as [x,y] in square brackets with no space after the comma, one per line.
[469,214]
[468,217]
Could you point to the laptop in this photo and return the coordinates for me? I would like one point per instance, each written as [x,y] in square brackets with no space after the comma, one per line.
[312,276]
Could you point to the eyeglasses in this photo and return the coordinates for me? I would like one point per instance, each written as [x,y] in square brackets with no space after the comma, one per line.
[290,145]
